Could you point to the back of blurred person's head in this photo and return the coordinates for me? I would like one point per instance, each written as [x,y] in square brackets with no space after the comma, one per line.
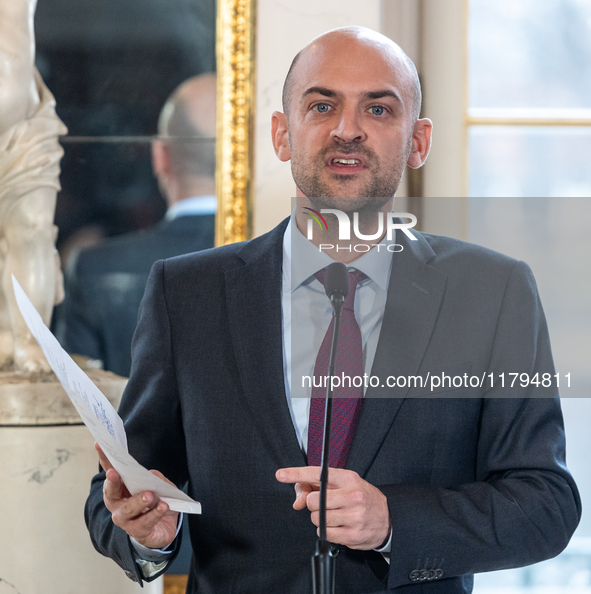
[183,156]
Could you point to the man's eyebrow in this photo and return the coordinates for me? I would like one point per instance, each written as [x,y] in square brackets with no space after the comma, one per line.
[321,91]
[368,95]
[381,94]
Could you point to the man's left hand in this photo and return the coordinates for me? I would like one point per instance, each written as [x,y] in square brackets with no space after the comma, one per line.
[357,512]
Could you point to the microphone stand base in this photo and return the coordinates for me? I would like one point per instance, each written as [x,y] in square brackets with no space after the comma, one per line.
[323,569]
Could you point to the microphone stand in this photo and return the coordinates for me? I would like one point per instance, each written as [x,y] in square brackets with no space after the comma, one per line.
[323,560]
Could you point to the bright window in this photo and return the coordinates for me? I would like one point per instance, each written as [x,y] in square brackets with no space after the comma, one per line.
[528,133]
[529,97]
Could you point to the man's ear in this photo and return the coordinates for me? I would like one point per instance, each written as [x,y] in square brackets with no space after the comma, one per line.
[421,143]
[160,159]
[280,136]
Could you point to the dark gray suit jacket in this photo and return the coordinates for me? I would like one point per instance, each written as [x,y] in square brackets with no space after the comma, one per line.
[473,483]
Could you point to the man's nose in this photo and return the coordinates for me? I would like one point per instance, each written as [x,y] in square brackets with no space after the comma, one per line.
[348,128]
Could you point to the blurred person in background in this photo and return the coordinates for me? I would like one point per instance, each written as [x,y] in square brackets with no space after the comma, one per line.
[105,283]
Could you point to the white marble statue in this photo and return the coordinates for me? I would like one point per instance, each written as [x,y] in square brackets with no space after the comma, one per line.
[29,171]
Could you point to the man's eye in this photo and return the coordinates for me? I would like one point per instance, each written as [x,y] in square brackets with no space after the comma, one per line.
[322,107]
[377,110]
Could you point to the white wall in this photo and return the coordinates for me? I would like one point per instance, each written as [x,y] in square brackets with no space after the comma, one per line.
[443,64]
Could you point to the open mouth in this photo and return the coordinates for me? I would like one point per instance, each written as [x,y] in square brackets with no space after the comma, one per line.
[346,164]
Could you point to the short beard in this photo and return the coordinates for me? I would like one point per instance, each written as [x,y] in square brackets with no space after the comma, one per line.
[373,196]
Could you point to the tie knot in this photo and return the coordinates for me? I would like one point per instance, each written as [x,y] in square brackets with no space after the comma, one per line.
[355,277]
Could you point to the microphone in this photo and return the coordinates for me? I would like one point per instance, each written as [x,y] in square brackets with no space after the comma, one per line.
[336,285]
[336,281]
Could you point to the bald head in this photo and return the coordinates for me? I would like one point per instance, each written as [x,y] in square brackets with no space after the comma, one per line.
[348,38]
[186,121]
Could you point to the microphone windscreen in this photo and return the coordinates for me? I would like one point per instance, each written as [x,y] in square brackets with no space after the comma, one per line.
[336,280]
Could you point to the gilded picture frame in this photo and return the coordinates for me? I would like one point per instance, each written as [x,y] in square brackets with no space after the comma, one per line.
[235,51]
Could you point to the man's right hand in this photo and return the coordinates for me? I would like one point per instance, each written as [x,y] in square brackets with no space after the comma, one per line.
[143,516]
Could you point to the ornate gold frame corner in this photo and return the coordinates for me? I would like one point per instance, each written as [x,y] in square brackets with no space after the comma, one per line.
[235,50]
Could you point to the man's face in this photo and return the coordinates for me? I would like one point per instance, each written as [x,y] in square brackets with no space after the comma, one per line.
[349,125]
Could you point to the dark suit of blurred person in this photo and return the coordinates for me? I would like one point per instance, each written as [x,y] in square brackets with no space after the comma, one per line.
[105,283]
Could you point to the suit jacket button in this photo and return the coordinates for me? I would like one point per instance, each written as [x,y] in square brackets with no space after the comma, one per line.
[131,575]
[335,550]
[424,575]
[414,575]
[438,573]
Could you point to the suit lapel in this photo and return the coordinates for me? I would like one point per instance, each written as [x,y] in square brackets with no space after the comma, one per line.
[254,311]
[414,296]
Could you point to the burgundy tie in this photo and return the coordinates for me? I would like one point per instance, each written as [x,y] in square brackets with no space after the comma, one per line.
[347,399]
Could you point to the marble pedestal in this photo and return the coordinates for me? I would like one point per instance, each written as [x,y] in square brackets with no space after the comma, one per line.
[46,465]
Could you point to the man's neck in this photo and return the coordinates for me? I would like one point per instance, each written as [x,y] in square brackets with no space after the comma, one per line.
[194,187]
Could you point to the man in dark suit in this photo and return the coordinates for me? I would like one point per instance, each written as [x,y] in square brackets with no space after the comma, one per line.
[105,283]
[438,483]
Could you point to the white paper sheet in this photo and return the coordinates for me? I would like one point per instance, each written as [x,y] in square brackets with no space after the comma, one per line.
[98,414]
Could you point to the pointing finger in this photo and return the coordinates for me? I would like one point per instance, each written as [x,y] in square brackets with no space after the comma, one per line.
[337,477]
[302,474]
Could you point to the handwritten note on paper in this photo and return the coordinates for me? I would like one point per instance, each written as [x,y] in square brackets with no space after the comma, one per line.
[98,414]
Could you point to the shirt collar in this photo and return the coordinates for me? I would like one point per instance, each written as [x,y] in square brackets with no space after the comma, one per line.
[195,205]
[302,259]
